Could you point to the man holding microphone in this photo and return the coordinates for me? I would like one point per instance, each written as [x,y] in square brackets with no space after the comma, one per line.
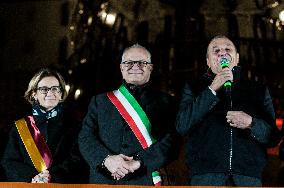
[229,122]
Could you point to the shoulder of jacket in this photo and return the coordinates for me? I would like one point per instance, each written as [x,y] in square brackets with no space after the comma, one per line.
[99,96]
[196,85]
[253,85]
[160,94]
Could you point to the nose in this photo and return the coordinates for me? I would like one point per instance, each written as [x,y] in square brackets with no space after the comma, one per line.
[49,92]
[222,53]
[135,65]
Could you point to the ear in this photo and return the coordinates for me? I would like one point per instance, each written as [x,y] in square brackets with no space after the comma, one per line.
[207,61]
[151,68]
[237,60]
[121,67]
[34,96]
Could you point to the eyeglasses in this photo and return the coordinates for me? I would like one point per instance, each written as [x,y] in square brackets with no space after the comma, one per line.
[53,89]
[140,64]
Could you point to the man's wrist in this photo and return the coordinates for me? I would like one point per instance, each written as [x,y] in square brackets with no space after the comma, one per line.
[104,161]
[137,157]
[250,123]
[212,90]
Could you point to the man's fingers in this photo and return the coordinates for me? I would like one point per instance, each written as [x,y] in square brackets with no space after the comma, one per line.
[120,173]
[125,157]
[123,170]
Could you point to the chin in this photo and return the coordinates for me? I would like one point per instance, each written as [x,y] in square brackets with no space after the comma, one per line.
[131,80]
[49,107]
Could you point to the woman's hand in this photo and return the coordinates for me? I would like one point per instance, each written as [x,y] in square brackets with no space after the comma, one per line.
[43,177]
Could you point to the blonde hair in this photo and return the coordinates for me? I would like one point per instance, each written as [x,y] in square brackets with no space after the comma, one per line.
[45,72]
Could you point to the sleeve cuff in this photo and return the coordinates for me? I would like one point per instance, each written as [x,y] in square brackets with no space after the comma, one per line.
[214,92]
[137,157]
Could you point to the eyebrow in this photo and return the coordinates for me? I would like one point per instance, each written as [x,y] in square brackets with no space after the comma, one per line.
[227,44]
[48,87]
[136,60]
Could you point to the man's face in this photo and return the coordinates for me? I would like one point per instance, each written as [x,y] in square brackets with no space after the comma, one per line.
[137,73]
[218,48]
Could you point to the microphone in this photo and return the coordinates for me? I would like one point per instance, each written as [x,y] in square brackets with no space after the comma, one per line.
[225,62]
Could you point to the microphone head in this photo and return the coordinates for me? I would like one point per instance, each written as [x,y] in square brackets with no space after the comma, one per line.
[227,84]
[224,62]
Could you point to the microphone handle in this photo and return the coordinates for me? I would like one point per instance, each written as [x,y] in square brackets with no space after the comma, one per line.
[228,88]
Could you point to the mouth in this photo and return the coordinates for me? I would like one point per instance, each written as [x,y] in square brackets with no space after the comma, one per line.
[135,72]
[50,99]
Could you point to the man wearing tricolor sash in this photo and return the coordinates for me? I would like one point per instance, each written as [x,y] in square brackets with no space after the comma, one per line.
[128,134]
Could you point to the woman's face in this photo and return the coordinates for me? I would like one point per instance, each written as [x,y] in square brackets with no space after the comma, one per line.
[48,93]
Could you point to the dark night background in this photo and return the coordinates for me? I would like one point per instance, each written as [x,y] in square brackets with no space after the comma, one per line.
[76,37]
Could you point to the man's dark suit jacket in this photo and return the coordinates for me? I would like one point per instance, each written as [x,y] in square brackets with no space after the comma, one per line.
[215,147]
[105,132]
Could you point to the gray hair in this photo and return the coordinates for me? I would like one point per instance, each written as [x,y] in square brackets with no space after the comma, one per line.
[136,46]
[218,37]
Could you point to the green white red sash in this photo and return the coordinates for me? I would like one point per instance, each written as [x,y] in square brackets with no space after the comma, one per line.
[34,143]
[136,118]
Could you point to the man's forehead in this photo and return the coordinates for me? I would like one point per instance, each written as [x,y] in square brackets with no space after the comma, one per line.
[220,42]
[135,51]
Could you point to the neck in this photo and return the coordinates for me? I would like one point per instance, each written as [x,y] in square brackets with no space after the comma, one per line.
[134,86]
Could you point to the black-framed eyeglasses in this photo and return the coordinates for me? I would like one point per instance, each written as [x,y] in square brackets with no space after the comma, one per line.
[53,89]
[140,64]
